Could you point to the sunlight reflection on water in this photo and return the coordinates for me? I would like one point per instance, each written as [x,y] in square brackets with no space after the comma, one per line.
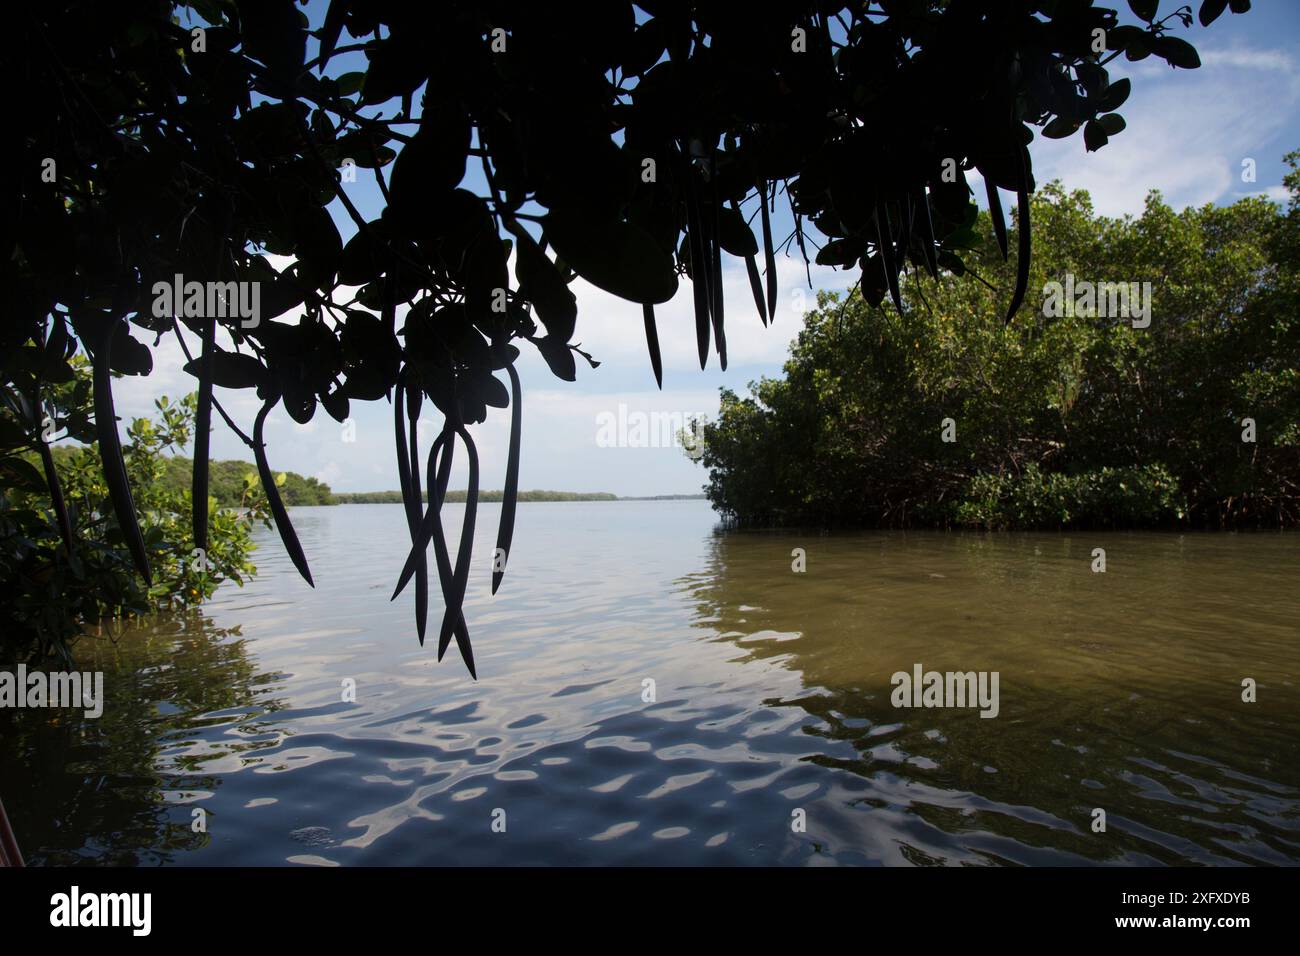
[772,694]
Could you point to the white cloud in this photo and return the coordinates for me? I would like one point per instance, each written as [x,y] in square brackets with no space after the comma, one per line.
[1188,131]
[614,330]
[1241,57]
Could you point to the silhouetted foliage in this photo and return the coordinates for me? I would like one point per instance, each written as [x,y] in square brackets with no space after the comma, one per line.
[147,151]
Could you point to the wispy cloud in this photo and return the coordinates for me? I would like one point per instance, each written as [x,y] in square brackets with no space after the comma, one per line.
[1188,131]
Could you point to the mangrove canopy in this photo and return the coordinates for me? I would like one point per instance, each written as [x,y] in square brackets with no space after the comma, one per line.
[164,148]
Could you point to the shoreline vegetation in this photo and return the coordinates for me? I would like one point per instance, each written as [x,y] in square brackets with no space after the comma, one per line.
[53,600]
[1163,393]
[227,480]
[458,497]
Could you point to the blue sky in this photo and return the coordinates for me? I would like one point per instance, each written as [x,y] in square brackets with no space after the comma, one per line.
[1188,134]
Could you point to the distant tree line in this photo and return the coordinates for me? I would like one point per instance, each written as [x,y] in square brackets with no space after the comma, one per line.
[227,480]
[458,497]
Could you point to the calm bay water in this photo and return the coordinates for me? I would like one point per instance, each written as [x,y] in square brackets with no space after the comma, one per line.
[772,695]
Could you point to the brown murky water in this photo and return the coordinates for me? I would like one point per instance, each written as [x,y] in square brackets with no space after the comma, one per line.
[1120,691]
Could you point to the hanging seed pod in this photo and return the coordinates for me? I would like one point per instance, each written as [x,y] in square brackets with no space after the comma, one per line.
[202,440]
[769,254]
[510,494]
[413,512]
[1023,237]
[996,214]
[282,523]
[110,455]
[431,530]
[701,267]
[925,225]
[885,249]
[652,343]
[461,630]
[715,272]
[460,576]
[57,501]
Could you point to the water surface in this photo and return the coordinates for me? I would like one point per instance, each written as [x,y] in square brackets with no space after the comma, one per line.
[771,688]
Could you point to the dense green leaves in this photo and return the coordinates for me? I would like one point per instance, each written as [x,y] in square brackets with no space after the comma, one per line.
[59,578]
[1065,418]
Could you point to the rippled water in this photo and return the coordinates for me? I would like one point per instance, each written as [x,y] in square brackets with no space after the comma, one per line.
[1119,691]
